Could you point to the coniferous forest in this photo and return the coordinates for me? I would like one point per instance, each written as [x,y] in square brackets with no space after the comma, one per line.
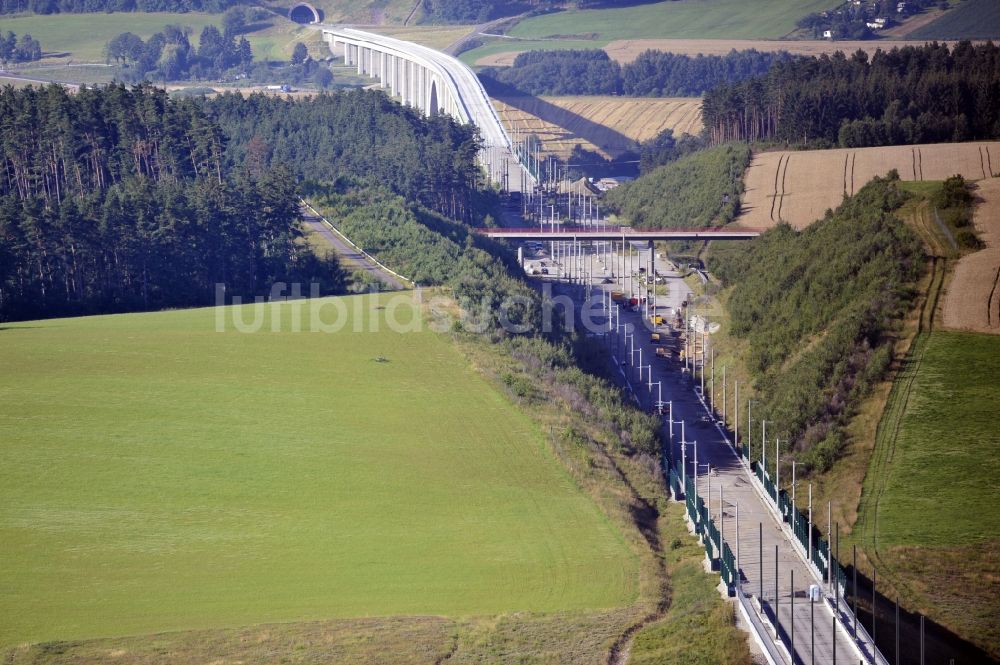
[923,94]
[652,74]
[121,198]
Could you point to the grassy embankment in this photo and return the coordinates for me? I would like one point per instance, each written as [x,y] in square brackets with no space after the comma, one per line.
[915,519]
[920,515]
[687,19]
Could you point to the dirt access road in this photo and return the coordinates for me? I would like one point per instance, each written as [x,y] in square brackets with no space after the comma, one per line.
[972,299]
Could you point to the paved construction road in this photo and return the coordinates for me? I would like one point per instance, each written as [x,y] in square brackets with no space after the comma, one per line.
[760,532]
[350,257]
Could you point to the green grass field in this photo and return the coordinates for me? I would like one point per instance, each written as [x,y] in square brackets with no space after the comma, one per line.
[83,36]
[928,511]
[159,475]
[76,38]
[940,487]
[684,19]
[972,19]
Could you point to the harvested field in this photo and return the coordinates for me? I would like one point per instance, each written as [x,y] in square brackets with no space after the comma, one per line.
[627,50]
[798,186]
[972,301]
[608,125]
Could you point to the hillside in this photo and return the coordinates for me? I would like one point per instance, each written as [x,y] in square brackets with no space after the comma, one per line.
[799,186]
[701,189]
[608,125]
[815,311]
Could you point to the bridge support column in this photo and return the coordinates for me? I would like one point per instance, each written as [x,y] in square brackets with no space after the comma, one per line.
[421,88]
[381,68]
[397,77]
[404,92]
[391,69]
[409,83]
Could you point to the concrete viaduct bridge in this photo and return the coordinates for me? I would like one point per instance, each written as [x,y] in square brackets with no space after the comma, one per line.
[434,82]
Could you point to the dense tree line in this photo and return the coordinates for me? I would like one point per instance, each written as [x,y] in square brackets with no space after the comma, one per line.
[920,94]
[121,198]
[170,56]
[818,309]
[84,6]
[665,148]
[569,72]
[653,73]
[118,199]
[700,189]
[25,49]
[358,135]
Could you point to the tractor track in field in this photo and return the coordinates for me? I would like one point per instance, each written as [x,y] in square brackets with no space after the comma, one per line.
[774,196]
[887,431]
[784,176]
[989,301]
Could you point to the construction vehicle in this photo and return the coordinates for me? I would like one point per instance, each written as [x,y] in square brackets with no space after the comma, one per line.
[656,319]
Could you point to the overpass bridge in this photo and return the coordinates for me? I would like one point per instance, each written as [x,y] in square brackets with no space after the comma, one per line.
[434,82]
[626,234]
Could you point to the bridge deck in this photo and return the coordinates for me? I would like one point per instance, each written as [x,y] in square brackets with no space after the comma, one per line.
[619,233]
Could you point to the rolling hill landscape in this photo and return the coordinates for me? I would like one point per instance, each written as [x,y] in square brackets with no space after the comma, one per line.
[290,376]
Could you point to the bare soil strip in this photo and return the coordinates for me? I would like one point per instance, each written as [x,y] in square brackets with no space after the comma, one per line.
[971,301]
[821,177]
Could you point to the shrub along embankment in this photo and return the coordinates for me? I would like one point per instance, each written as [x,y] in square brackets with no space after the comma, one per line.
[819,310]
